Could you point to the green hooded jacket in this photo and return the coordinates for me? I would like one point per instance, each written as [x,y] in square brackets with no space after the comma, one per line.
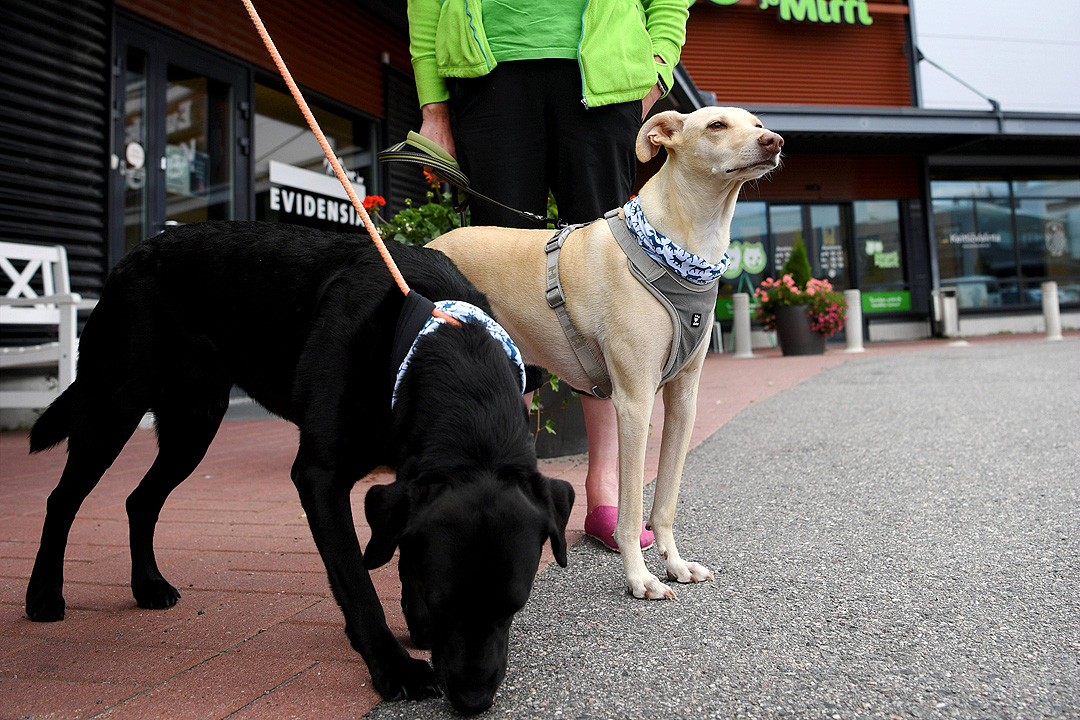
[619,42]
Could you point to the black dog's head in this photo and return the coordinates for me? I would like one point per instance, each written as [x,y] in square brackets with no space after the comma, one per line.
[469,554]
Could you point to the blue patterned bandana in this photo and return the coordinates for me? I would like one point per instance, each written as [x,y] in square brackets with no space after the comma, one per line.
[464,312]
[689,266]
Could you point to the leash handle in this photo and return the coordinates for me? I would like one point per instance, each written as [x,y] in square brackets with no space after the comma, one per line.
[399,279]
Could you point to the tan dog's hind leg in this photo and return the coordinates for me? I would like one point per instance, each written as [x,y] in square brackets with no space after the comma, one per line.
[680,408]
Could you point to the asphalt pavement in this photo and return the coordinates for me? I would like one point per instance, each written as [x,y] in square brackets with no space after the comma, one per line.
[894,538]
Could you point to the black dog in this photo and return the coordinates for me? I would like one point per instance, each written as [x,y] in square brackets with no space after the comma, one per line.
[304,321]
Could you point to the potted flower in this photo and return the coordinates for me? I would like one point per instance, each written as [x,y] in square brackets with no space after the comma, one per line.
[801,309]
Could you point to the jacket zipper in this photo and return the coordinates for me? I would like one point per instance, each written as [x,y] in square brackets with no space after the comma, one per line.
[468,13]
[581,66]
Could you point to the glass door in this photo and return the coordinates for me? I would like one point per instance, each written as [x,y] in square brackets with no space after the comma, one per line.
[181,145]
[824,230]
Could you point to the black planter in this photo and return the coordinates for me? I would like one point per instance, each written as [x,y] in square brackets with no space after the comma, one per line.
[567,419]
[794,334]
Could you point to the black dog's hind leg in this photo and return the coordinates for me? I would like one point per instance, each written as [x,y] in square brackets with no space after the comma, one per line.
[93,444]
[325,498]
[186,426]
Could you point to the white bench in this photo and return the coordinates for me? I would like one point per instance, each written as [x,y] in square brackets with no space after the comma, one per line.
[55,306]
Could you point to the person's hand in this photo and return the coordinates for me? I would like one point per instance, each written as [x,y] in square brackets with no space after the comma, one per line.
[649,100]
[655,92]
[436,127]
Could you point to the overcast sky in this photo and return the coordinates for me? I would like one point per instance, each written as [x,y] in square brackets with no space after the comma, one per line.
[1025,55]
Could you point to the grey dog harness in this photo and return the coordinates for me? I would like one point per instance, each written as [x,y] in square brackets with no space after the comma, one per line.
[690,306]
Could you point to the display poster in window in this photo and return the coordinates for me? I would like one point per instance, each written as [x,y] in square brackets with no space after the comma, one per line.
[299,196]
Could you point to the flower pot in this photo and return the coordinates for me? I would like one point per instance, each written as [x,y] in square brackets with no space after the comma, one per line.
[794,334]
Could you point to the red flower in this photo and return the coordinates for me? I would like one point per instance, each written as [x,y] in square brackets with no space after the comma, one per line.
[432,180]
[372,201]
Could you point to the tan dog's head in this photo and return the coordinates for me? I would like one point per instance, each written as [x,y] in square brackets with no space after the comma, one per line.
[726,142]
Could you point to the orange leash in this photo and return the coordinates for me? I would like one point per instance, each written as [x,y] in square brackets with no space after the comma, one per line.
[332,157]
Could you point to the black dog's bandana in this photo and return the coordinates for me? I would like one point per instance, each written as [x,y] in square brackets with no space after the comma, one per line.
[417,319]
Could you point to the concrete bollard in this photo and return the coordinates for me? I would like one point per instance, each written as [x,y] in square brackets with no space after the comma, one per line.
[740,325]
[853,322]
[1051,310]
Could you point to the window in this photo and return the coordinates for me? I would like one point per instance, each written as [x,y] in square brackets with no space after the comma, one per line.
[748,252]
[999,238]
[1048,235]
[879,255]
[294,182]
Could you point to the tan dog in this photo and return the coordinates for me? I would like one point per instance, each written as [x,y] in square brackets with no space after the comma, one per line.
[691,200]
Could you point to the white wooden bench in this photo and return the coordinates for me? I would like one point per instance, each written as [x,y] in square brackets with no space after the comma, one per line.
[56,306]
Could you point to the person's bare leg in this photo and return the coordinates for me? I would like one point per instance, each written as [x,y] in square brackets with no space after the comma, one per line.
[602,478]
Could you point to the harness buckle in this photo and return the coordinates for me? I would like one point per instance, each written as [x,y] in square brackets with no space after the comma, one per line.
[555,297]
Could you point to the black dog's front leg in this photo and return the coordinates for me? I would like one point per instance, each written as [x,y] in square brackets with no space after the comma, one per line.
[394,673]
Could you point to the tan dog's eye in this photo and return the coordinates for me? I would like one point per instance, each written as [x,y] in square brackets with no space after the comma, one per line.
[718,125]
[759,125]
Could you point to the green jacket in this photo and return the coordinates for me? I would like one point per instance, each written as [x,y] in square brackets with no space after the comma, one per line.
[619,39]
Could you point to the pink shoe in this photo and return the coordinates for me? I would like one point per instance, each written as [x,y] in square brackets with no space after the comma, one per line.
[600,524]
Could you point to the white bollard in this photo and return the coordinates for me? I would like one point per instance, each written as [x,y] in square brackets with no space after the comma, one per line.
[740,325]
[950,312]
[853,322]
[1051,310]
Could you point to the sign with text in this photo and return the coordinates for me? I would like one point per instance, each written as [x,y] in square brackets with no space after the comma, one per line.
[886,301]
[850,12]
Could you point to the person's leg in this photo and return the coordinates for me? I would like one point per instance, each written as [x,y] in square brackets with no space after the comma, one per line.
[593,171]
[497,121]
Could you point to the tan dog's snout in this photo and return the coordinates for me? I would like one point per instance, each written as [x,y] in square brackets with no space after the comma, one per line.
[771,142]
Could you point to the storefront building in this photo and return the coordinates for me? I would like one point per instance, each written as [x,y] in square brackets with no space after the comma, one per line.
[120,117]
[890,198]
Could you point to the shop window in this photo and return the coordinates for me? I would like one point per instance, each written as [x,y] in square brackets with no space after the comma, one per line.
[1048,232]
[976,251]
[880,257]
[998,238]
[134,167]
[787,229]
[294,182]
[748,252]
[198,147]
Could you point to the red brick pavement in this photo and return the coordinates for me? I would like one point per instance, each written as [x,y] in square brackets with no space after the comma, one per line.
[256,634]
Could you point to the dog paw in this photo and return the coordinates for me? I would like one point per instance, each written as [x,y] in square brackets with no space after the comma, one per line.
[405,679]
[154,594]
[44,605]
[688,572]
[649,588]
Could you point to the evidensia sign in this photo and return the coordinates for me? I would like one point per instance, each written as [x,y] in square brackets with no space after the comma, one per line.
[852,12]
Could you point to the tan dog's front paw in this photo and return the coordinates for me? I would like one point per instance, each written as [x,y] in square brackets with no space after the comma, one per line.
[649,587]
[688,572]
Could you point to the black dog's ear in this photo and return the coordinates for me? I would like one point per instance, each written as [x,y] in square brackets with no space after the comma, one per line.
[534,377]
[387,510]
[560,502]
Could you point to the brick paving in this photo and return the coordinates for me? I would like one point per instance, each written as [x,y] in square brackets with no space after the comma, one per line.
[256,634]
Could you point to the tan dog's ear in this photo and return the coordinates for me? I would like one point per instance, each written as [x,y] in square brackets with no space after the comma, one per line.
[661,129]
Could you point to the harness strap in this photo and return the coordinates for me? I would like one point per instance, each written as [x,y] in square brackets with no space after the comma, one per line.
[413,316]
[691,311]
[556,300]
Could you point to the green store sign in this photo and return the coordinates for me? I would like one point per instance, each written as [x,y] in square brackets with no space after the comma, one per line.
[891,301]
[852,12]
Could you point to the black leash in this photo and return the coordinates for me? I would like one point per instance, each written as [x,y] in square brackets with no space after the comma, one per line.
[419,150]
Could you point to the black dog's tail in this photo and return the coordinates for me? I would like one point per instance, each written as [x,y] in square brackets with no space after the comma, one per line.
[54,424]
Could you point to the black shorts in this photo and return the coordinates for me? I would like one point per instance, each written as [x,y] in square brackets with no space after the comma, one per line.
[522,131]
